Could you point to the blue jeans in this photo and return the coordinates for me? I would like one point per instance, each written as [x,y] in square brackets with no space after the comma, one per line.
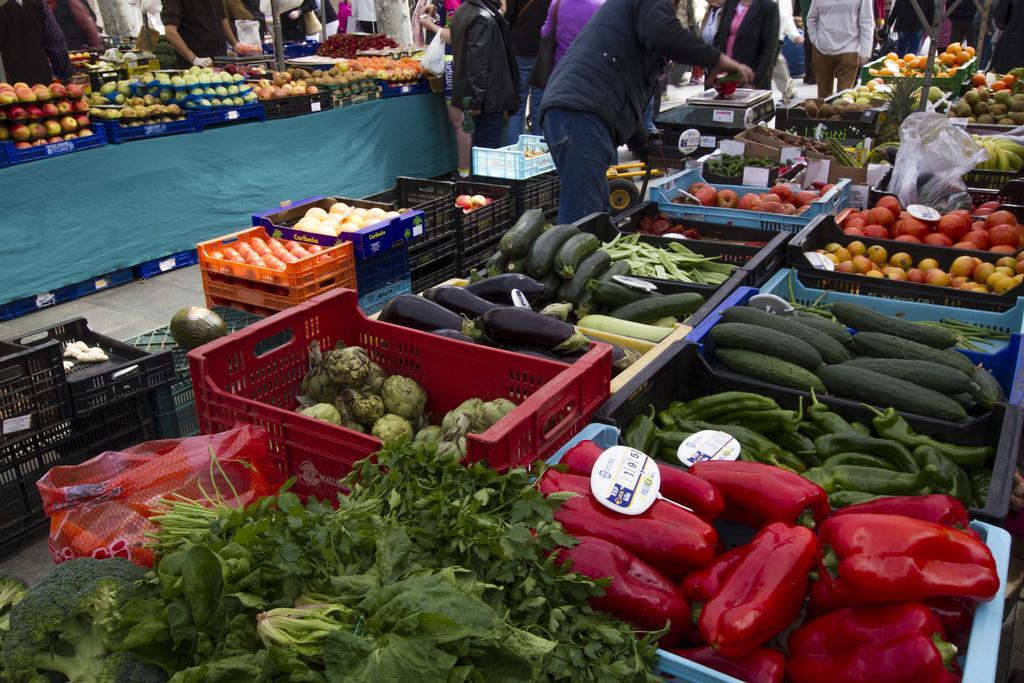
[516,121]
[489,128]
[583,149]
[908,42]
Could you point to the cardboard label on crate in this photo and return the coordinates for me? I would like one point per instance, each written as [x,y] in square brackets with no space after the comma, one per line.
[708,444]
[752,175]
[817,171]
[923,213]
[723,115]
[708,141]
[733,147]
[167,264]
[519,300]
[44,299]
[787,154]
[819,261]
[13,425]
[231,115]
[314,106]
[689,141]
[859,196]
[101,283]
[625,480]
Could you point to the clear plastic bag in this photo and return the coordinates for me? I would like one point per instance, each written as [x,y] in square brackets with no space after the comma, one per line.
[433,59]
[933,158]
[248,32]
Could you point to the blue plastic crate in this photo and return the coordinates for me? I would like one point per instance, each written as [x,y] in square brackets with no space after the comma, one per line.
[511,163]
[388,89]
[374,301]
[181,259]
[213,117]
[380,271]
[1005,364]
[21,156]
[834,201]
[979,662]
[20,307]
[116,133]
[305,48]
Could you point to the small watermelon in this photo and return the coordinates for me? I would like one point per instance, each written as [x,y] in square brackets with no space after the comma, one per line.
[194,326]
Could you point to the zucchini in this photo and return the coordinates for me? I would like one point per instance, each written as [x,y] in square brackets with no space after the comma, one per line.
[881,390]
[878,345]
[624,328]
[985,389]
[653,308]
[551,284]
[545,248]
[934,376]
[515,266]
[764,340]
[831,351]
[863,319]
[832,329]
[617,268]
[515,244]
[613,295]
[495,264]
[769,369]
[590,267]
[572,252]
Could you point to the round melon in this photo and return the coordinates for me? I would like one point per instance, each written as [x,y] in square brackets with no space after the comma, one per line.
[194,326]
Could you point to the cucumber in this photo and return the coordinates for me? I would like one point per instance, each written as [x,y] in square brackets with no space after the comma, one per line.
[496,264]
[966,400]
[613,295]
[831,351]
[878,345]
[883,391]
[985,389]
[624,328]
[515,244]
[832,329]
[934,376]
[764,340]
[572,252]
[515,266]
[590,267]
[769,369]
[864,319]
[545,248]
[653,308]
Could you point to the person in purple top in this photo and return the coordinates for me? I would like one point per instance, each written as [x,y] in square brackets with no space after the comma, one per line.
[573,15]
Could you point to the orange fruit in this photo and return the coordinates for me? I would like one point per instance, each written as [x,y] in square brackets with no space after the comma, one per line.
[998,85]
[962,58]
[954,48]
[1009,79]
[969,50]
[947,59]
[909,56]
[893,56]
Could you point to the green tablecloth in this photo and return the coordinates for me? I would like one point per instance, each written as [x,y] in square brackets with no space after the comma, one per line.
[70,218]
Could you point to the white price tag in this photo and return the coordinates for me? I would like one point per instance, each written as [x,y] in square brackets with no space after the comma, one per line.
[635,283]
[709,444]
[231,115]
[12,425]
[787,154]
[625,480]
[689,141]
[819,261]
[859,196]
[875,172]
[723,115]
[752,175]
[314,106]
[101,283]
[45,299]
[707,141]
[519,300]
[923,213]
[733,147]
[167,264]
[817,172]
[417,229]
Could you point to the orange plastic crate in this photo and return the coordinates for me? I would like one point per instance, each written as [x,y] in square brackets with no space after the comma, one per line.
[331,261]
[267,296]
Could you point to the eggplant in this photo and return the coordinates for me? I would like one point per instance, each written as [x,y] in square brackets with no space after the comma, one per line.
[511,326]
[409,310]
[453,334]
[498,289]
[459,300]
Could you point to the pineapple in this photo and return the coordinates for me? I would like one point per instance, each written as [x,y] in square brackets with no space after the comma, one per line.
[902,103]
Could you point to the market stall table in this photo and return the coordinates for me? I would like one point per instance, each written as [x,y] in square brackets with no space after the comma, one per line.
[81,215]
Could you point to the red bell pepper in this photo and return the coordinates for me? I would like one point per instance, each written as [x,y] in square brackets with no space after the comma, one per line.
[758,666]
[869,558]
[758,495]
[900,643]
[665,536]
[753,592]
[957,617]
[638,593]
[676,484]
[936,507]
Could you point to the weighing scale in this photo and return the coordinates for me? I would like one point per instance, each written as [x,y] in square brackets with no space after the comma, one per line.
[694,129]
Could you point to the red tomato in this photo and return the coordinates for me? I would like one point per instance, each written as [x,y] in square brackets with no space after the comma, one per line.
[288,258]
[273,242]
[937,239]
[233,255]
[273,262]
[953,226]
[314,249]
[979,237]
[1003,234]
[216,254]
[299,252]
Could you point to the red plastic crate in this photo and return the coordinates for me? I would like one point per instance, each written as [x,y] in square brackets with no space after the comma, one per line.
[253,376]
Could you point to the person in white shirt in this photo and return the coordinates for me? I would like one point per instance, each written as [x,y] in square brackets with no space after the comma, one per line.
[842,32]
[787,29]
[365,14]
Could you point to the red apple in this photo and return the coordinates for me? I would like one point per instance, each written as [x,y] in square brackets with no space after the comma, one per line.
[38,130]
[19,131]
[57,90]
[7,97]
[80,106]
[64,107]
[54,138]
[50,109]
[876,231]
[915,275]
[908,238]
[954,227]
[80,119]
[70,136]
[22,145]
[1003,233]
[53,127]
[979,237]
[34,112]
[5,134]
[41,92]
[937,239]
[912,226]
[74,90]
[17,113]
[84,133]
[25,94]
[727,199]
[854,231]
[68,124]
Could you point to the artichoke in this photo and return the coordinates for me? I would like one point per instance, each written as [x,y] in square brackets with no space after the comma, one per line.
[403,397]
[470,409]
[392,429]
[364,409]
[347,367]
[317,385]
[456,449]
[374,380]
[323,411]
[430,435]
[491,412]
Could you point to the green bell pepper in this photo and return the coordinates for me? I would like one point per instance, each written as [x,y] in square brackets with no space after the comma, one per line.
[890,425]
[949,478]
[862,459]
[853,442]
[870,479]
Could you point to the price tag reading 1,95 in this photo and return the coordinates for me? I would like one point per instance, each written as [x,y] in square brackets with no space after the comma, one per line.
[625,480]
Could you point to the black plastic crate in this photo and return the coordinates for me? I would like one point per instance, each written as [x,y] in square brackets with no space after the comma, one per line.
[476,259]
[715,179]
[813,237]
[988,189]
[435,273]
[538,192]
[435,250]
[33,390]
[486,224]
[757,261]
[128,371]
[682,373]
[435,198]
[854,125]
[116,425]
[296,105]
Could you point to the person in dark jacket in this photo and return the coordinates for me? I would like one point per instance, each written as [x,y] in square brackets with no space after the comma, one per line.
[909,31]
[486,74]
[961,23]
[76,23]
[32,47]
[525,17]
[1009,50]
[596,96]
[748,31]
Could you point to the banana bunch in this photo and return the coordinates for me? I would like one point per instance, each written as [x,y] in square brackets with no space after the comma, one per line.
[1003,153]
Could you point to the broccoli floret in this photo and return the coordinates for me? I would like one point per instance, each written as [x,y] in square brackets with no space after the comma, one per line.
[12,590]
[122,667]
[61,623]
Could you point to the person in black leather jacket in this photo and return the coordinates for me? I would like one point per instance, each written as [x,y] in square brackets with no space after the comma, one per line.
[486,73]
[597,94]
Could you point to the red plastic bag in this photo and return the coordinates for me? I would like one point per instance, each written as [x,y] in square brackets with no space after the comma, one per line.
[102,507]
